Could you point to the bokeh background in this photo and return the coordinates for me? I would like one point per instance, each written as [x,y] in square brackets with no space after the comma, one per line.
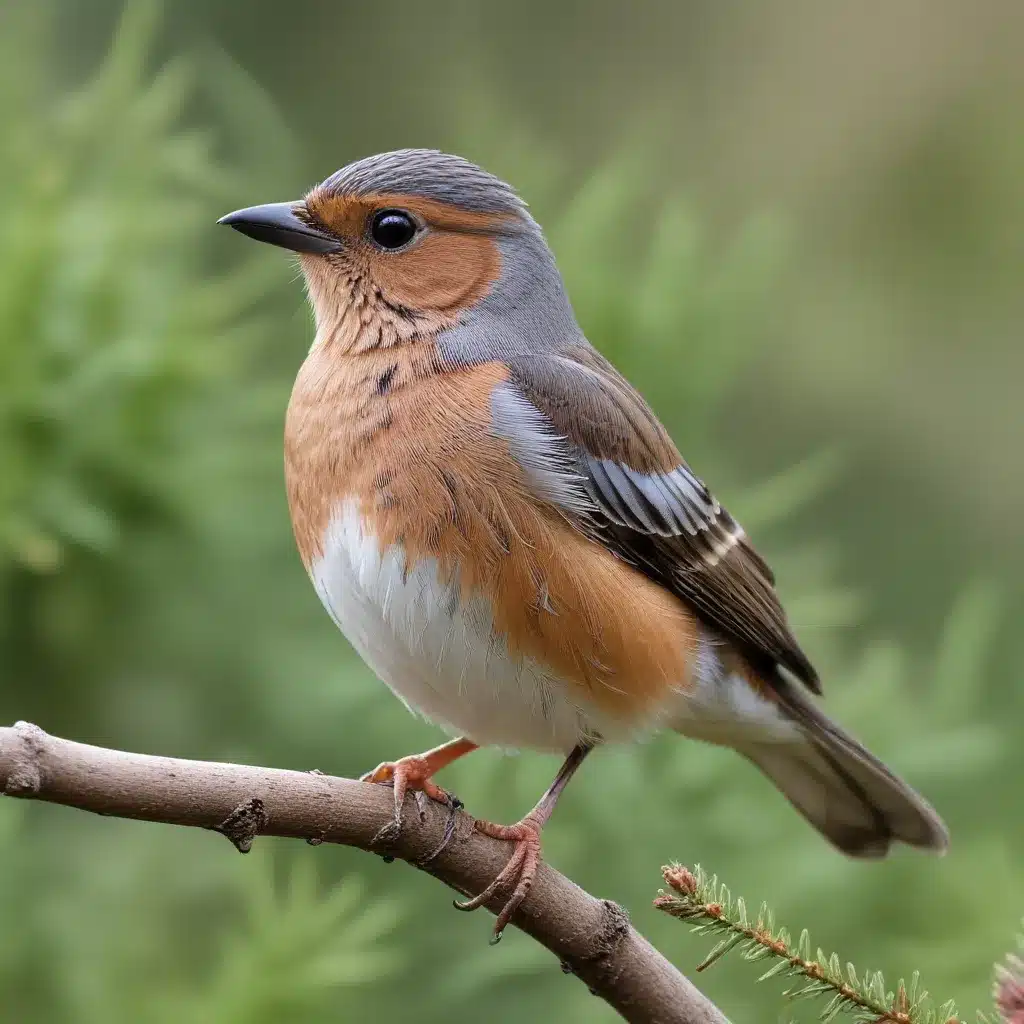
[798,227]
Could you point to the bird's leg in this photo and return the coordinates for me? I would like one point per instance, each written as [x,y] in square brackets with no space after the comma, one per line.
[519,872]
[414,772]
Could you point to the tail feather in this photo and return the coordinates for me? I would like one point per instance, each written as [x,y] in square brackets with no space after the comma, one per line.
[840,788]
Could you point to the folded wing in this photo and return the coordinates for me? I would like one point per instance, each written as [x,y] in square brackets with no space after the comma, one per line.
[591,445]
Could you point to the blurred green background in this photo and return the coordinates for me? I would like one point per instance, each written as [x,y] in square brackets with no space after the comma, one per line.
[797,227]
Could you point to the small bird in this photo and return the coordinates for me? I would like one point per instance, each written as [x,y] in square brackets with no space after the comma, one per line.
[505,532]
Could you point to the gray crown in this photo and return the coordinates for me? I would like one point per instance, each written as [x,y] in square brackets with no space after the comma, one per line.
[429,174]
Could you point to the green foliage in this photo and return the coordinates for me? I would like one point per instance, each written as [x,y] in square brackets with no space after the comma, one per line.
[236,939]
[709,904]
[292,948]
[152,598]
[110,316]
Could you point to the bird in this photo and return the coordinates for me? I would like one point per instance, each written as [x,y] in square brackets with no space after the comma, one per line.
[506,533]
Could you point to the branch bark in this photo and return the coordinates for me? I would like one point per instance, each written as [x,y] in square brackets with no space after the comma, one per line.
[592,938]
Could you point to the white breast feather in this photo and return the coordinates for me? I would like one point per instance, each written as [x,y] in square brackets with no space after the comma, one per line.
[440,654]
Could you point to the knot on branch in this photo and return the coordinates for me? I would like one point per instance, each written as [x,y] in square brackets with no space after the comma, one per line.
[614,928]
[25,777]
[603,956]
[245,823]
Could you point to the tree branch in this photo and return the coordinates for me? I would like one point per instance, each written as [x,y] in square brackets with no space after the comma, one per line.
[592,938]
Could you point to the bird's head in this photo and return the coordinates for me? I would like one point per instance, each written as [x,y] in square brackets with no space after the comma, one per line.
[412,243]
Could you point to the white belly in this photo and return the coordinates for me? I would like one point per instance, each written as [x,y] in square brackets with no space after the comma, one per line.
[440,654]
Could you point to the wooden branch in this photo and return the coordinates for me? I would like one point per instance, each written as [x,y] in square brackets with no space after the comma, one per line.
[592,938]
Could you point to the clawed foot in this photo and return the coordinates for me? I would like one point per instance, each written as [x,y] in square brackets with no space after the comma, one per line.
[413,773]
[517,875]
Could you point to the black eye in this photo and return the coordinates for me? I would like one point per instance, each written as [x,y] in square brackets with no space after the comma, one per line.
[391,229]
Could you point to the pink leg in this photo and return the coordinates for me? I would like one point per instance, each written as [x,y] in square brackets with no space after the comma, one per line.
[518,874]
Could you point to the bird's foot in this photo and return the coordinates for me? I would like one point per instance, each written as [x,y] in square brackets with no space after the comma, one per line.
[517,875]
[412,773]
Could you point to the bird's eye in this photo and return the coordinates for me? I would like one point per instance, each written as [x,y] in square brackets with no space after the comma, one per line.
[391,229]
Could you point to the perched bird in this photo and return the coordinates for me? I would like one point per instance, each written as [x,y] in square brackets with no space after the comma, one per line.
[507,534]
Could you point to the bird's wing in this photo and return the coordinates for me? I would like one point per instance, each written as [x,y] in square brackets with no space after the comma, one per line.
[572,417]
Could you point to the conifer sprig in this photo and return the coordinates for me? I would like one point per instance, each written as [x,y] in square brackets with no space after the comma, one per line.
[712,909]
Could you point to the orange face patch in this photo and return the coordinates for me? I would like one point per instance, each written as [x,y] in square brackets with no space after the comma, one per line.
[447,269]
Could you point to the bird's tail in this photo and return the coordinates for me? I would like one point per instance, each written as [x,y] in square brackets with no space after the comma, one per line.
[844,791]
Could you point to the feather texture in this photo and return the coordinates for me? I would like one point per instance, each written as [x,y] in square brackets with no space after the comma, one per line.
[651,509]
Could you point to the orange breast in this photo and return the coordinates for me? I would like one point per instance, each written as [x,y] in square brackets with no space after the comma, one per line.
[411,442]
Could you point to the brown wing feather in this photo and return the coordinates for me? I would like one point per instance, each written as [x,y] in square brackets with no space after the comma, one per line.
[651,510]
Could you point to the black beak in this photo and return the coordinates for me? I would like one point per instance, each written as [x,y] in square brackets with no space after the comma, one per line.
[278,224]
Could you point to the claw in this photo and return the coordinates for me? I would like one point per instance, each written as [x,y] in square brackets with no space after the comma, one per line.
[413,773]
[421,805]
[454,806]
[517,875]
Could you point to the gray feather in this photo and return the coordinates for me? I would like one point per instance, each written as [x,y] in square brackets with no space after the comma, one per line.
[430,174]
[842,789]
[547,459]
